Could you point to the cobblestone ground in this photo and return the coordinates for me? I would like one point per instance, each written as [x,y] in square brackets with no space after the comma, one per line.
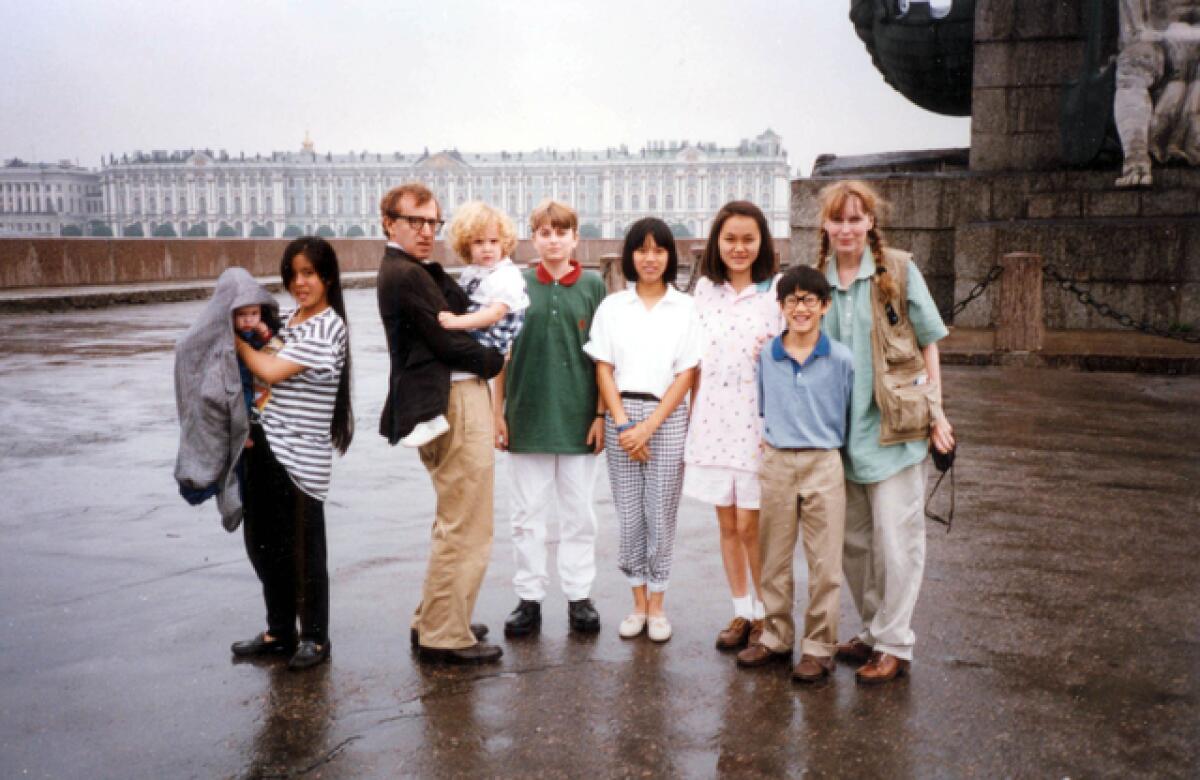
[1058,627]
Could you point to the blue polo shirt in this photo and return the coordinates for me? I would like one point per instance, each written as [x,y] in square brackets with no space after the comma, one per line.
[805,405]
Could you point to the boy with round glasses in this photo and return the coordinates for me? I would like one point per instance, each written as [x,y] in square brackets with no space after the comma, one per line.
[804,381]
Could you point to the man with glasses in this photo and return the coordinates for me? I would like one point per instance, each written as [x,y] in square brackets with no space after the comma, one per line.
[436,371]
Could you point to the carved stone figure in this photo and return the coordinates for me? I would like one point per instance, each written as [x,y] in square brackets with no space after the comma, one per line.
[1157,104]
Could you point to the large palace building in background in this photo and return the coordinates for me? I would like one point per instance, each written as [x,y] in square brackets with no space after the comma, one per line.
[202,193]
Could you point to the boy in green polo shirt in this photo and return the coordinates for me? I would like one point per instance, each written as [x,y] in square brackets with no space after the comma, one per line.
[547,417]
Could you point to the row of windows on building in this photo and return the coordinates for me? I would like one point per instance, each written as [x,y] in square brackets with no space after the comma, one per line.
[47,204]
[38,188]
[587,202]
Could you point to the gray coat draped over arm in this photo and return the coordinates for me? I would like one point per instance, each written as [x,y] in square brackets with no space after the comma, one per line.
[213,423]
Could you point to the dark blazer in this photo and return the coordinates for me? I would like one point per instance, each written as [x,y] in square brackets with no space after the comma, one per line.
[422,352]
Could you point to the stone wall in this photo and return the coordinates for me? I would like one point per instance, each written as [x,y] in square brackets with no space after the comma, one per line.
[1138,251]
[1025,51]
[72,262]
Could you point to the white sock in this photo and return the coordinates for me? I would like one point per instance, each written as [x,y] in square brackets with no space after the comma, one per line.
[760,611]
[743,607]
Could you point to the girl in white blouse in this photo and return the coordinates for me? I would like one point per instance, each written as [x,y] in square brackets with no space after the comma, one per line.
[646,344]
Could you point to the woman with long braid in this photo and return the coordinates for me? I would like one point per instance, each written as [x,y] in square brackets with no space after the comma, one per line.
[883,311]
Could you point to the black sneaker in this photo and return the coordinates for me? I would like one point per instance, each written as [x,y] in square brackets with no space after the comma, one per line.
[524,620]
[583,617]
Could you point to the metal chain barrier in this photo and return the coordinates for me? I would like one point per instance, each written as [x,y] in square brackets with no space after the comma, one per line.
[1085,297]
[992,275]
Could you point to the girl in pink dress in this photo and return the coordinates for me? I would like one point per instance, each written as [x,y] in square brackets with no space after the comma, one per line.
[735,299]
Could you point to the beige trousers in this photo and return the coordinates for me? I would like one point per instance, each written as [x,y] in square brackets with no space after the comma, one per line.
[461,463]
[803,491]
[884,557]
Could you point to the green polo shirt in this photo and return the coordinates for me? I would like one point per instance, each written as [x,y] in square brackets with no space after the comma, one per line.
[849,321]
[550,382]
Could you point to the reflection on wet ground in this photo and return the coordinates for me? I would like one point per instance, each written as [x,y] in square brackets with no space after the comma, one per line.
[1057,626]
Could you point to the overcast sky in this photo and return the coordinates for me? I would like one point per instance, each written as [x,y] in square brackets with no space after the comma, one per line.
[82,79]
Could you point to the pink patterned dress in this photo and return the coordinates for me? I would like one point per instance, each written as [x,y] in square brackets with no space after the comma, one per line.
[725,429]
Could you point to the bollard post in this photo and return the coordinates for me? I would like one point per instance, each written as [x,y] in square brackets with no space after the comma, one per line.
[1020,326]
[610,271]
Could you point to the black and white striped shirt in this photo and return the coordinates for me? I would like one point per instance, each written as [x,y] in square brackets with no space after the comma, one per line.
[297,417]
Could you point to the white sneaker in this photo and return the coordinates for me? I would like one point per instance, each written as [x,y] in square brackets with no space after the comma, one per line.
[425,432]
[659,628]
[632,625]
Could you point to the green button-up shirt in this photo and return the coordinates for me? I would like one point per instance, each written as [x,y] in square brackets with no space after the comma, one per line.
[849,321]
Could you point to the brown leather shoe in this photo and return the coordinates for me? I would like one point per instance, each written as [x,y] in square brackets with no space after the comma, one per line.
[478,653]
[882,668]
[735,634]
[478,629]
[758,654]
[813,668]
[855,651]
[756,630]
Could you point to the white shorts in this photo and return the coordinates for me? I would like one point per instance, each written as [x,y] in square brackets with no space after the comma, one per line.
[721,486]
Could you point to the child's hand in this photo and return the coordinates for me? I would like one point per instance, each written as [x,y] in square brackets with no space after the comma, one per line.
[635,439]
[263,330]
[447,319]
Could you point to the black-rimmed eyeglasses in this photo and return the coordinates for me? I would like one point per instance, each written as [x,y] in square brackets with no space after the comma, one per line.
[420,223]
[809,300]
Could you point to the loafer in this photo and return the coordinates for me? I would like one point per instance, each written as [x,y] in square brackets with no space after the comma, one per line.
[813,668]
[308,654]
[855,651]
[757,654]
[524,620]
[658,628]
[633,624]
[735,635]
[478,629]
[882,668]
[260,646]
[478,653]
[582,617]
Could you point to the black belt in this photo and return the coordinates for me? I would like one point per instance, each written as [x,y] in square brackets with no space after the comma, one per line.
[641,397]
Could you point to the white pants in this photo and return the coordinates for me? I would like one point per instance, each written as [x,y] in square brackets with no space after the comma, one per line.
[884,557]
[545,486]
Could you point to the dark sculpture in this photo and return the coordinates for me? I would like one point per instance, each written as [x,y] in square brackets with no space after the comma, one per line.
[927,59]
[1087,129]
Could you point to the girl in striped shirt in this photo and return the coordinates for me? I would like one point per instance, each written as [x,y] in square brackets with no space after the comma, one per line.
[307,417]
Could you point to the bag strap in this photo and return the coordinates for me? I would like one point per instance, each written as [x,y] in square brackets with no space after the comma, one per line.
[948,520]
[894,262]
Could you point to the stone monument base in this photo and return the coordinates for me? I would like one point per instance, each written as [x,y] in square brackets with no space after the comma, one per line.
[1136,250]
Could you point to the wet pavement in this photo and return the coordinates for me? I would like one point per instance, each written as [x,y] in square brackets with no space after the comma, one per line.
[1058,628]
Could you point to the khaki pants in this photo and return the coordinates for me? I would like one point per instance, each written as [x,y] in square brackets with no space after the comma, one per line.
[461,463]
[801,490]
[885,557]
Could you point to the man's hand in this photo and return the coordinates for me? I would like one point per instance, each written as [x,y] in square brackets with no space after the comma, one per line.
[501,432]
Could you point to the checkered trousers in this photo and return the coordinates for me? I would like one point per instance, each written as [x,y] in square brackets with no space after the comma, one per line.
[499,335]
[646,495]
